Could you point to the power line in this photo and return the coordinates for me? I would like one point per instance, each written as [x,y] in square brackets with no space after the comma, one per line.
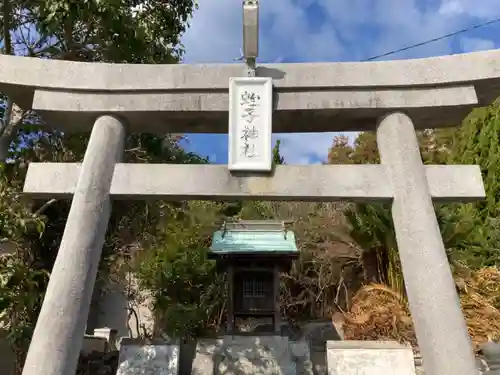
[433,40]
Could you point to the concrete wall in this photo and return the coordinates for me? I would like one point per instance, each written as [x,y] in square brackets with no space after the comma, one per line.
[112,309]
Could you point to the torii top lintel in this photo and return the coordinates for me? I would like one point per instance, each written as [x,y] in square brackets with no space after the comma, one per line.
[310,97]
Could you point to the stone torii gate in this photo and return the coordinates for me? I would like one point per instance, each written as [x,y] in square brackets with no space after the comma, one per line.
[393,98]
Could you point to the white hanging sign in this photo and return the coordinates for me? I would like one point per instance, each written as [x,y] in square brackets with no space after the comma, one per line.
[250,124]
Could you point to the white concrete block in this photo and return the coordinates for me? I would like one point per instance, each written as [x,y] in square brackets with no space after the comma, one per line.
[369,358]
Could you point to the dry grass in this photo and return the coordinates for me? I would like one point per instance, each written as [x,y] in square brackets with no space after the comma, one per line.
[480,299]
[378,313]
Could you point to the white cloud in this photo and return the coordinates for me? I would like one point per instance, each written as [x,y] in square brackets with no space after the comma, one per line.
[302,149]
[476,44]
[345,30]
[451,8]
[215,34]
[309,148]
[484,9]
[399,23]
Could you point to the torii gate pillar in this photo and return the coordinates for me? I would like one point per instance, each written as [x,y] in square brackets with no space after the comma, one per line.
[435,308]
[63,317]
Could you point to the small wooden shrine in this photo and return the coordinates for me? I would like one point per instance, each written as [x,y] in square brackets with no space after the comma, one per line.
[253,253]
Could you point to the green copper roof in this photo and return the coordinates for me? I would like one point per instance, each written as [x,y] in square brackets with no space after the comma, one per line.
[253,237]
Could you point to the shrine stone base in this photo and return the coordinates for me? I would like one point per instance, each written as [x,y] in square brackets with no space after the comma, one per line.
[148,357]
[250,355]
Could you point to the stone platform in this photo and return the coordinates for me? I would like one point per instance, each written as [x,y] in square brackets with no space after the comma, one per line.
[242,355]
[269,355]
[148,357]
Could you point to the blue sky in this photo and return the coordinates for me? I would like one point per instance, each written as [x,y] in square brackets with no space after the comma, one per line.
[332,30]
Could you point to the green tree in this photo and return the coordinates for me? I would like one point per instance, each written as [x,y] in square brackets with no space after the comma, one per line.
[96,30]
[371,225]
[20,298]
[188,294]
[478,142]
[277,158]
[92,31]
